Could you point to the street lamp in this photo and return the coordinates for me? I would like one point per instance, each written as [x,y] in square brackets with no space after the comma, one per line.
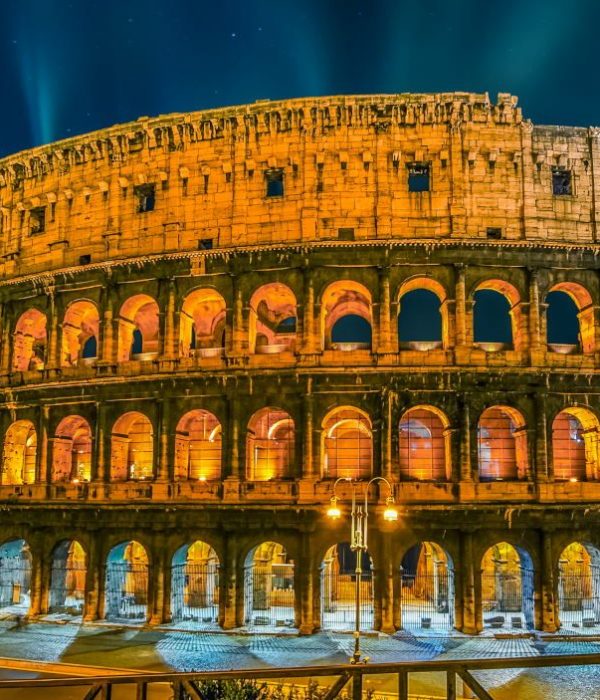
[358,538]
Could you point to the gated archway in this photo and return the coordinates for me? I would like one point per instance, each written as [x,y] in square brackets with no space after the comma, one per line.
[338,589]
[427,588]
[15,577]
[67,579]
[269,587]
[579,587]
[507,588]
[195,586]
[126,583]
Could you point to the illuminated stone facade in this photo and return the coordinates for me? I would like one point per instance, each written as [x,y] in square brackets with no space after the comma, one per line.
[179,390]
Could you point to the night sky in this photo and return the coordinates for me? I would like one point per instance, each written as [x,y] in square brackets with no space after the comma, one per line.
[68,67]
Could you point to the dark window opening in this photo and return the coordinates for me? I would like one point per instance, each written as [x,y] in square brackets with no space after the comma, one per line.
[90,348]
[184,186]
[494,233]
[85,259]
[491,317]
[37,220]
[274,180]
[52,211]
[351,329]
[288,325]
[145,195]
[205,244]
[561,182]
[137,342]
[346,234]
[193,342]
[418,177]
[419,319]
[562,320]
[205,184]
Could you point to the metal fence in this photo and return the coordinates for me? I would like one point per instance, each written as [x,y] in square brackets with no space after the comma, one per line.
[67,587]
[338,607]
[579,598]
[15,582]
[195,594]
[427,600]
[126,591]
[269,596]
[507,599]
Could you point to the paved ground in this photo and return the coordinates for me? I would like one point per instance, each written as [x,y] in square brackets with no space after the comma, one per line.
[163,650]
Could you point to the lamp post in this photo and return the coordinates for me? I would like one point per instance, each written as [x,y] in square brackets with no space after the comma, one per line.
[358,538]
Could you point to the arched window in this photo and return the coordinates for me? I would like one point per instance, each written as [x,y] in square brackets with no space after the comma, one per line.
[198,446]
[67,579]
[272,323]
[80,334]
[132,448]
[126,584]
[202,324]
[423,449]
[138,329]
[195,585]
[579,588]
[422,320]
[347,444]
[19,455]
[496,316]
[72,450]
[501,444]
[570,319]
[29,344]
[270,445]
[346,316]
[15,577]
[269,587]
[575,445]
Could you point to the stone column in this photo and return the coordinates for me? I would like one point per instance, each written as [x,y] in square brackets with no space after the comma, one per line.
[102,442]
[304,586]
[41,467]
[308,471]
[309,340]
[461,305]
[228,617]
[5,359]
[466,469]
[387,429]
[386,583]
[36,581]
[163,419]
[549,585]
[543,469]
[156,584]
[237,330]
[232,447]
[52,358]
[385,335]
[169,346]
[93,582]
[535,338]
[470,605]
[108,349]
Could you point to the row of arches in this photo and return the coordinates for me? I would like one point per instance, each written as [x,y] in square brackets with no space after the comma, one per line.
[344,320]
[423,446]
[425,581]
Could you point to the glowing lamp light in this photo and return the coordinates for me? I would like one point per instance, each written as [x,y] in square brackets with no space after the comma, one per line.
[573,479]
[201,478]
[390,513]
[334,511]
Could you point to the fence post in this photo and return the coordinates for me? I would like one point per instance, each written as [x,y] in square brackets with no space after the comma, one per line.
[403,685]
[357,686]
[450,685]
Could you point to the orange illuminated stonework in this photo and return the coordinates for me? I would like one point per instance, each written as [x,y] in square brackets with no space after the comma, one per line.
[205,319]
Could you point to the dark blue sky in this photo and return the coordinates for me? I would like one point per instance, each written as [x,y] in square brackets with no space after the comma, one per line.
[68,67]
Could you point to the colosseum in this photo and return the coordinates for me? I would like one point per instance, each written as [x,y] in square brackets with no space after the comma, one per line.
[209,319]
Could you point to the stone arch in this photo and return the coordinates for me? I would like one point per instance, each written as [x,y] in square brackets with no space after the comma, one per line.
[347,444]
[15,577]
[507,586]
[138,329]
[80,333]
[67,579]
[126,583]
[195,586]
[72,450]
[575,433]
[341,299]
[427,587]
[422,301]
[570,325]
[501,301]
[272,311]
[198,439]
[269,594]
[502,444]
[202,324]
[270,443]
[20,453]
[29,342]
[132,448]
[339,584]
[579,587]
[424,445]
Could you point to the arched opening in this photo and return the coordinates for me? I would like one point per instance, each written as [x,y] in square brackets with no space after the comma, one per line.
[422,321]
[427,594]
[80,334]
[195,586]
[569,319]
[424,445]
[72,450]
[338,589]
[579,587]
[347,444]
[19,454]
[507,587]
[575,433]
[346,316]
[15,577]
[29,343]
[270,445]
[502,444]
[126,583]
[67,579]
[202,324]
[198,446]
[269,587]
[138,329]
[272,323]
[132,448]
[496,316]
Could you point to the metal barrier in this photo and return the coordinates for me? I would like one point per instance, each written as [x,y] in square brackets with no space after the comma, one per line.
[195,594]
[269,595]
[579,599]
[427,600]
[338,607]
[185,686]
[126,591]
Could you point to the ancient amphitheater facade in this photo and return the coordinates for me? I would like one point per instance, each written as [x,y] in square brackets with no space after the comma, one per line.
[207,318]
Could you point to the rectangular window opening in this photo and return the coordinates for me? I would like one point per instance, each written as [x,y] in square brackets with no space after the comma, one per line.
[562,182]
[205,244]
[37,220]
[346,234]
[146,196]
[274,178]
[494,233]
[85,259]
[418,177]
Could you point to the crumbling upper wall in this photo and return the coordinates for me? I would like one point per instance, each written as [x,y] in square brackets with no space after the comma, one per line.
[344,166]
